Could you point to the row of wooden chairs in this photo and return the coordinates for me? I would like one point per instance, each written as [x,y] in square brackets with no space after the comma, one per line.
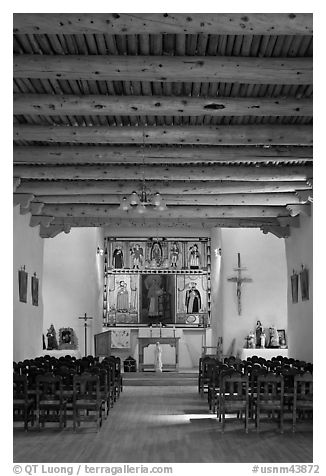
[212,374]
[41,395]
[234,397]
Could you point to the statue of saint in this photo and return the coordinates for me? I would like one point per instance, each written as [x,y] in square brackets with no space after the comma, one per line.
[52,338]
[273,337]
[259,331]
[158,357]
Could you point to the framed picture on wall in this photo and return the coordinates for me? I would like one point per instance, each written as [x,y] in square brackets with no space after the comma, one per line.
[304,284]
[22,284]
[34,287]
[294,286]
[282,337]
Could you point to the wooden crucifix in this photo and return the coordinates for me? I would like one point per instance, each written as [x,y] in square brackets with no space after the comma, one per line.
[85,317]
[239,280]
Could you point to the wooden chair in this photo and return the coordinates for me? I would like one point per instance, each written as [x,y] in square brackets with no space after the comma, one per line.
[23,406]
[270,397]
[87,400]
[205,375]
[303,396]
[50,403]
[289,374]
[234,396]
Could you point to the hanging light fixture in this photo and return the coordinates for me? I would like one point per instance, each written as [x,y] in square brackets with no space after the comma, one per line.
[140,201]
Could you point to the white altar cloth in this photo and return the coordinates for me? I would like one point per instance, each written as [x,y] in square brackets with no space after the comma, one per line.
[61,353]
[265,353]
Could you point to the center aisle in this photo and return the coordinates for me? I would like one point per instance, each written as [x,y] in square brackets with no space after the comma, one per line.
[161,424]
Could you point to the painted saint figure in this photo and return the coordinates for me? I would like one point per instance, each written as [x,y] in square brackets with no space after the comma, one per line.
[122,297]
[193,299]
[174,255]
[137,255]
[154,291]
[194,257]
[117,260]
[158,358]
[156,253]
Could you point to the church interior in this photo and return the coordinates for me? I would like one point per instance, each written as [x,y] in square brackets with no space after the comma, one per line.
[162,237]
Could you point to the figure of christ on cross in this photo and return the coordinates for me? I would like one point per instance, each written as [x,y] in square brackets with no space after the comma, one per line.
[239,280]
[85,317]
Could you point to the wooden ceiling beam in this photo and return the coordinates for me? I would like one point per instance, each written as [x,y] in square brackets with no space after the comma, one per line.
[99,105]
[178,211]
[167,223]
[281,199]
[151,155]
[247,70]
[68,187]
[294,135]
[157,172]
[163,23]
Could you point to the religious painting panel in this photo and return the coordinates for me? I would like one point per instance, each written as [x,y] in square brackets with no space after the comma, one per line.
[22,284]
[120,339]
[192,303]
[123,299]
[67,338]
[157,298]
[118,255]
[34,289]
[196,255]
[304,284]
[294,286]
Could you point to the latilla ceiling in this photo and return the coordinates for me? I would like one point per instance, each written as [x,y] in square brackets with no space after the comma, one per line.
[214,111]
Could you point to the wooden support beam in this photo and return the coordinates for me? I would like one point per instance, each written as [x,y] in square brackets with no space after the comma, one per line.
[200,135]
[178,211]
[16,183]
[45,221]
[278,231]
[99,105]
[247,70]
[23,199]
[157,172]
[158,155]
[304,195]
[289,221]
[271,199]
[94,187]
[53,230]
[163,23]
[189,224]
[296,209]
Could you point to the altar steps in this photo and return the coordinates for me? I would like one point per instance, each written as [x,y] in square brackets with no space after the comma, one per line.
[156,379]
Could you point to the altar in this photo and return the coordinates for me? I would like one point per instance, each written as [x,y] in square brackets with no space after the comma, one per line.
[144,342]
[265,353]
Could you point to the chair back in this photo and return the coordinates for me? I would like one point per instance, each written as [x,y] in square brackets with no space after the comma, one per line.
[20,386]
[49,387]
[303,387]
[270,388]
[235,386]
[86,387]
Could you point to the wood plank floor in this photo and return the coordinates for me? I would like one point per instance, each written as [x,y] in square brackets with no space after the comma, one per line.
[161,425]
